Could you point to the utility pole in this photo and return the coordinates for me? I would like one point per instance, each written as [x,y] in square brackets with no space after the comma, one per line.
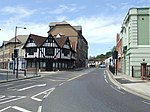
[16,52]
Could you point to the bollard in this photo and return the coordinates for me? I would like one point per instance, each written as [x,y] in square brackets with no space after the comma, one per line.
[143,70]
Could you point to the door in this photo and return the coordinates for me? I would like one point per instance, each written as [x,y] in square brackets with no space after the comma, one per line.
[49,66]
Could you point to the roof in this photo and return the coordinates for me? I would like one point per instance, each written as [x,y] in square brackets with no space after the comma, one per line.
[78,28]
[21,39]
[55,23]
[38,39]
[61,41]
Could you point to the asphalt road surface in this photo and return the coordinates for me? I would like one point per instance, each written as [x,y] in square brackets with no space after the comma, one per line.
[88,90]
[27,95]
[92,92]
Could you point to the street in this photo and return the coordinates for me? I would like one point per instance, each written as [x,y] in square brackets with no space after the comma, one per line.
[88,90]
[93,92]
[26,95]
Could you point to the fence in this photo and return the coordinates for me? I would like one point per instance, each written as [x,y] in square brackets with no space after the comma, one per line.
[136,71]
[8,75]
[112,69]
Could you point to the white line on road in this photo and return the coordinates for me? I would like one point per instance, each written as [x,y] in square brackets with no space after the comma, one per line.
[19,85]
[20,97]
[7,98]
[146,102]
[105,76]
[5,108]
[44,92]
[40,85]
[2,96]
[75,77]
[117,89]
[21,109]
[104,72]
[106,81]
[61,83]
[40,109]
[56,80]
[5,85]
[49,92]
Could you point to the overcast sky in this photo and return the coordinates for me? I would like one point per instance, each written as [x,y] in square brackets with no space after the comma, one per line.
[101,20]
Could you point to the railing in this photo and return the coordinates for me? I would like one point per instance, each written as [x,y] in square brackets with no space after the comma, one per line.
[136,72]
[147,75]
[112,69]
[8,75]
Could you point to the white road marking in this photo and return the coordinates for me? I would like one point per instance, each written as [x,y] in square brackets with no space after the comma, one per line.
[44,92]
[49,92]
[59,78]
[105,76]
[61,84]
[40,85]
[40,109]
[2,96]
[5,85]
[19,97]
[19,85]
[5,108]
[9,97]
[106,81]
[104,72]
[117,89]
[21,109]
[56,80]
[75,77]
[146,102]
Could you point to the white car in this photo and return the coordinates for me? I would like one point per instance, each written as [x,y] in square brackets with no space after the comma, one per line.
[102,66]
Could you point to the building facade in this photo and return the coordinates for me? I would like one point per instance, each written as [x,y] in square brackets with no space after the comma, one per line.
[119,49]
[49,53]
[78,42]
[7,50]
[135,33]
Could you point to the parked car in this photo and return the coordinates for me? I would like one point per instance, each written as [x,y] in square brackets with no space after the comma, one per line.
[102,66]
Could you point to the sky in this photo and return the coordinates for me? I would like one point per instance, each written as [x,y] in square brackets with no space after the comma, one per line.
[101,20]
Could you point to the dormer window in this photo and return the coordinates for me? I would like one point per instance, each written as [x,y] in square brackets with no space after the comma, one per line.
[49,40]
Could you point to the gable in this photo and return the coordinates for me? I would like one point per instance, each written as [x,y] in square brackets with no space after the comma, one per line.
[31,43]
[50,42]
[67,44]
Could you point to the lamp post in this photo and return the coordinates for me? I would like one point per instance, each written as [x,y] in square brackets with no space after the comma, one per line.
[16,52]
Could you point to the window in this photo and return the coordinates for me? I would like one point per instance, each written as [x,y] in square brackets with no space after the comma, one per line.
[65,51]
[50,40]
[49,51]
[30,40]
[23,65]
[31,50]
[29,64]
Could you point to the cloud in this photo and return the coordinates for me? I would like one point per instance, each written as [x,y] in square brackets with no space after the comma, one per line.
[98,29]
[66,8]
[17,10]
[38,29]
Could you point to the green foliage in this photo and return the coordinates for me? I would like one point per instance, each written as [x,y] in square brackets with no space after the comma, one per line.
[107,55]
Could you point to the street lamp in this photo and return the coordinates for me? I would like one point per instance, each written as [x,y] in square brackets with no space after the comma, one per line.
[16,33]
[16,51]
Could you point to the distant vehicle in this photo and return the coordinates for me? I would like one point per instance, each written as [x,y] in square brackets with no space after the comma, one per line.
[102,66]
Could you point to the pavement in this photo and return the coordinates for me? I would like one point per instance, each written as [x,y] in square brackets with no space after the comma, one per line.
[133,85]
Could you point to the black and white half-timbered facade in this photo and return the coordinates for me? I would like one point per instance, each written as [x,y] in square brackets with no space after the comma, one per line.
[49,53]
